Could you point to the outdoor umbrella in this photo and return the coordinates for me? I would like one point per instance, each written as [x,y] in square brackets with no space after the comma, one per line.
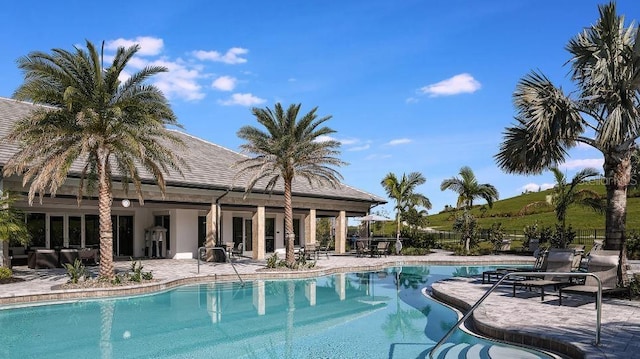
[372,218]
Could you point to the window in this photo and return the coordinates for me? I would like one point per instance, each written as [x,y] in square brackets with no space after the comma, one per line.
[91,231]
[36,223]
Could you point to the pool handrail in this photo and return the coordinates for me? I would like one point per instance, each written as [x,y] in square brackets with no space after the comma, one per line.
[524,274]
[227,257]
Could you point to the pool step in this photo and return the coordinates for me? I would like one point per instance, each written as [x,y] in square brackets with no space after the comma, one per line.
[475,351]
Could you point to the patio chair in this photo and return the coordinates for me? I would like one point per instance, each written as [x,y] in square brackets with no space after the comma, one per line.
[311,250]
[324,248]
[68,255]
[46,258]
[382,248]
[233,250]
[361,249]
[557,261]
[605,266]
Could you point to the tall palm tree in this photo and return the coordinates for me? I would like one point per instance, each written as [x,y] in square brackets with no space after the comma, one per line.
[108,127]
[567,194]
[290,147]
[468,188]
[602,113]
[403,192]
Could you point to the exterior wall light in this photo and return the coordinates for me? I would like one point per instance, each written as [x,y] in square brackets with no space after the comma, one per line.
[126,203]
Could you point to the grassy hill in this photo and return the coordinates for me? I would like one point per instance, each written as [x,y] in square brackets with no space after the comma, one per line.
[507,212]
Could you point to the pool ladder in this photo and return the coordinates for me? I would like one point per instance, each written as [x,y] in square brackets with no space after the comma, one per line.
[226,256]
[525,274]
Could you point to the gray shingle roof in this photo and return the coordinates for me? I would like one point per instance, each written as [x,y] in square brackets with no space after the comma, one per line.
[210,165]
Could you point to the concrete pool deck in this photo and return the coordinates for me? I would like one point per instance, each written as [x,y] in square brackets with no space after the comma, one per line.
[524,319]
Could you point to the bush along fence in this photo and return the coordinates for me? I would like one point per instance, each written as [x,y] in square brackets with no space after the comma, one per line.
[579,236]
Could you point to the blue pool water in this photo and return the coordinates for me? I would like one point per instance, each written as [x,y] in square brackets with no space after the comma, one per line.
[379,314]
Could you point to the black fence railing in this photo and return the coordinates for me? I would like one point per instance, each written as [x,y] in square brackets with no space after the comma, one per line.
[583,236]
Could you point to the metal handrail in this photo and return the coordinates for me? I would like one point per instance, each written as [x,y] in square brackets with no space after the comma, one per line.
[555,274]
[224,252]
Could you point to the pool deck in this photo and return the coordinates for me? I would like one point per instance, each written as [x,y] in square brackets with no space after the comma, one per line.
[569,328]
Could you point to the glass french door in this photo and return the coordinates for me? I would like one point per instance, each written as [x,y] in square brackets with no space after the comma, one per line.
[56,232]
[242,233]
[269,234]
[122,235]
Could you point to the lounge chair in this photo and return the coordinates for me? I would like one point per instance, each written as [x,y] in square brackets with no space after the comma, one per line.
[539,265]
[603,265]
[557,261]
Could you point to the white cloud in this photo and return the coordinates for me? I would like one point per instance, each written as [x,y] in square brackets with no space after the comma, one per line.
[462,83]
[325,138]
[232,56]
[411,100]
[534,187]
[583,163]
[149,46]
[359,148]
[292,79]
[399,141]
[180,81]
[349,141]
[242,99]
[224,83]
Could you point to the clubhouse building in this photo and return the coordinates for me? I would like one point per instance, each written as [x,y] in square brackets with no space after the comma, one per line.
[204,205]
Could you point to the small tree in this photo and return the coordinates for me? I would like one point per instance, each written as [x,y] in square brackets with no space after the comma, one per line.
[466,225]
[12,225]
[496,235]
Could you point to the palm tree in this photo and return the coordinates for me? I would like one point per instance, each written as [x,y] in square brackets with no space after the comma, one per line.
[106,126]
[468,188]
[567,194]
[603,113]
[289,148]
[404,193]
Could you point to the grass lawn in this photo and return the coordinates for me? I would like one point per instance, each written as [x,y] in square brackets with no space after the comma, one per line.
[509,213]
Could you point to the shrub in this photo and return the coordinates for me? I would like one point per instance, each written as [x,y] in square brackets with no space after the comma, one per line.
[633,246]
[272,262]
[496,235]
[5,273]
[415,251]
[76,271]
[137,275]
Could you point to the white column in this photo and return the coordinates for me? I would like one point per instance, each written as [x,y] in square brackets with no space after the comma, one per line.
[212,231]
[258,240]
[341,232]
[310,227]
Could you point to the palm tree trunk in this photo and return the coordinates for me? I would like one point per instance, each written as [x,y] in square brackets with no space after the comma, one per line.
[617,171]
[289,234]
[105,199]
[398,226]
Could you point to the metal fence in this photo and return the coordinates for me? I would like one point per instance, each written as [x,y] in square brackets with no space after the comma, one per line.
[583,236]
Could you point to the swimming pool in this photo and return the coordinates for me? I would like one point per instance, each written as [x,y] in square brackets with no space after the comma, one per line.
[379,314]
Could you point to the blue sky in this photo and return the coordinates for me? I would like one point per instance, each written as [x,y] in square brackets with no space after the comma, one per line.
[412,85]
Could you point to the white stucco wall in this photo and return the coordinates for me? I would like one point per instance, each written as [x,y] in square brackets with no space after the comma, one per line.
[184,243]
